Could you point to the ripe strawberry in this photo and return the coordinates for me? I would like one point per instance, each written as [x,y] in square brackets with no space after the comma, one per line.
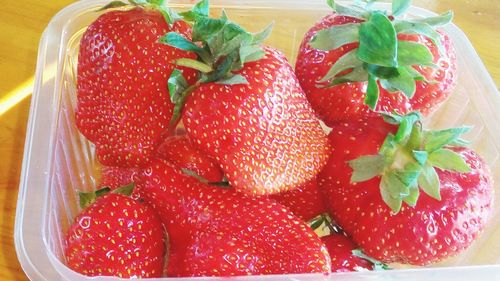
[123,105]
[115,177]
[355,60]
[178,151]
[345,255]
[304,201]
[247,110]
[369,176]
[343,260]
[116,236]
[216,231]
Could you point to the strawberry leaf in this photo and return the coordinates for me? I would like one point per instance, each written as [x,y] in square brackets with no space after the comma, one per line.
[259,37]
[429,182]
[180,42]
[399,7]
[125,190]
[372,92]
[408,27]
[156,2]
[411,53]
[406,126]
[205,28]
[434,140]
[112,5]
[357,74]
[335,36]
[412,198]
[403,82]
[170,16]
[420,156]
[437,21]
[408,176]
[331,3]
[345,62]
[377,41]
[233,80]
[200,9]
[88,198]
[200,66]
[251,53]
[138,2]
[233,44]
[446,159]
[377,265]
[352,11]
[389,189]
[176,85]
[366,167]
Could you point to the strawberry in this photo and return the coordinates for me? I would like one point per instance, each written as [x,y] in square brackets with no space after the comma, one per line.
[216,231]
[345,255]
[179,151]
[122,98]
[115,177]
[375,176]
[356,60]
[304,201]
[247,110]
[116,236]
[343,260]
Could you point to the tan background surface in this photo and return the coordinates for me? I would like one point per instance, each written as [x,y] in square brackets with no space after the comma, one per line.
[21,25]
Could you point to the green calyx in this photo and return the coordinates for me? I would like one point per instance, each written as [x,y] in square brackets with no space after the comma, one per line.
[407,160]
[377,265]
[191,173]
[222,48]
[323,225]
[380,58]
[88,198]
[161,5]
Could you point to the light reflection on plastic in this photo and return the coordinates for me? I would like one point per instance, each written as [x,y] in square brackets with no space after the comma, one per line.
[22,91]
[15,96]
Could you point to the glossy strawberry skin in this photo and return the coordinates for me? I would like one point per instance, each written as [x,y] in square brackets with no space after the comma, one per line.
[123,105]
[263,134]
[346,101]
[115,177]
[304,201]
[340,248]
[116,236]
[234,233]
[179,151]
[426,233]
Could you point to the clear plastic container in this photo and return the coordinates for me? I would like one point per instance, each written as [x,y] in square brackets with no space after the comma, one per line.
[58,160]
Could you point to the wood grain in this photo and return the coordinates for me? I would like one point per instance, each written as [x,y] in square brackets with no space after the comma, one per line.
[21,25]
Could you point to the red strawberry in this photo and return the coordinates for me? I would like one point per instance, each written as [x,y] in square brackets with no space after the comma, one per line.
[123,105]
[178,151]
[115,177]
[116,236]
[345,255]
[247,111]
[369,176]
[370,62]
[215,231]
[343,260]
[304,201]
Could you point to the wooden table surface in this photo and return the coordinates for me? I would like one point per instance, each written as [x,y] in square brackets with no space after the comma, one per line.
[21,25]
